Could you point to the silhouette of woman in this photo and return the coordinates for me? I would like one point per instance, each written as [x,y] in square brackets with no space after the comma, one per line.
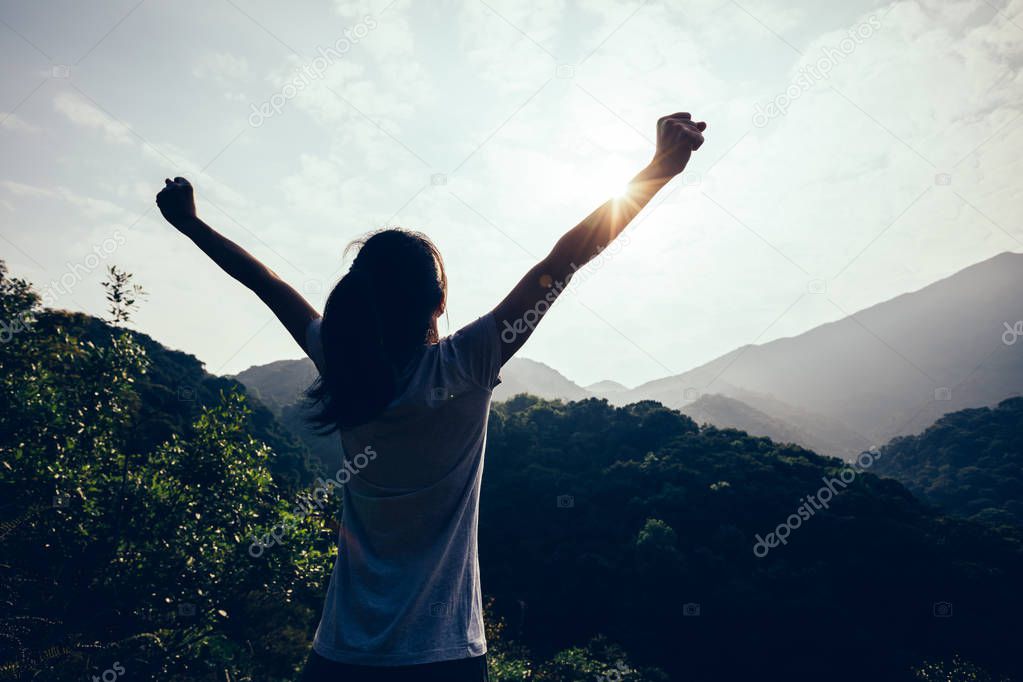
[404,600]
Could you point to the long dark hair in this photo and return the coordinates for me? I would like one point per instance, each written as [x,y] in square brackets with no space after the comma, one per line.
[376,318]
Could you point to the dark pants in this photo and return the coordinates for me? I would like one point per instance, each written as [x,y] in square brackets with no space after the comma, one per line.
[320,669]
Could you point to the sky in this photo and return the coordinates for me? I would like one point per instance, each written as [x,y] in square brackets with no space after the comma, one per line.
[855,151]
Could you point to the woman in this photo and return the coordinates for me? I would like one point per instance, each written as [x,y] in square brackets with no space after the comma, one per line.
[404,601]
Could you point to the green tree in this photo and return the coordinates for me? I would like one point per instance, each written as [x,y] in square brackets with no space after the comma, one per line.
[954,670]
[138,556]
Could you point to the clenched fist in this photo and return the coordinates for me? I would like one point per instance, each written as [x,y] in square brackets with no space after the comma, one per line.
[677,138]
[176,202]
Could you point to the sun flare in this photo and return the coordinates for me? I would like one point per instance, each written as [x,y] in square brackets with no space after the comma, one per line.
[608,180]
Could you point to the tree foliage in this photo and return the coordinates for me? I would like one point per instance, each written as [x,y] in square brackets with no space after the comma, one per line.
[968,463]
[139,555]
[617,543]
[665,513]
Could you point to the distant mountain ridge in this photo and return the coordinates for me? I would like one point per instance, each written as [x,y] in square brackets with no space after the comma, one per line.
[724,412]
[605,388]
[891,369]
[281,383]
[521,375]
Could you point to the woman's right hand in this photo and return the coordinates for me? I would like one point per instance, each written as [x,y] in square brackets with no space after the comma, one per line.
[677,138]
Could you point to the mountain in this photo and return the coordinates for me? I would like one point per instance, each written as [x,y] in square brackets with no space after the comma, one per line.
[279,383]
[969,463]
[885,371]
[728,413]
[606,388]
[840,388]
[520,375]
[143,521]
[764,415]
[280,386]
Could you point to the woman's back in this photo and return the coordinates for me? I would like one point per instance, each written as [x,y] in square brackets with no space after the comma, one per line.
[405,587]
[404,599]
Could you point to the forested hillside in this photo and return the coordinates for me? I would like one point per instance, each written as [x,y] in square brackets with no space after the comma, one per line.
[661,513]
[169,532]
[158,524]
[969,463]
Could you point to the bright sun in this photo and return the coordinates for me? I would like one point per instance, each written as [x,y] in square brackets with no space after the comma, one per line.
[584,183]
[608,180]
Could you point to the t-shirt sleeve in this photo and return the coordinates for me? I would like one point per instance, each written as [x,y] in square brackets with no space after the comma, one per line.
[476,348]
[314,343]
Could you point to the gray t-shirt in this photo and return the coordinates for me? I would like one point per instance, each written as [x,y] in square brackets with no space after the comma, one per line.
[406,587]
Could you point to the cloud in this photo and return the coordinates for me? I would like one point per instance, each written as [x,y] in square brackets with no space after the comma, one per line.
[83,113]
[938,83]
[228,71]
[373,68]
[20,189]
[170,158]
[91,208]
[13,122]
[861,146]
[222,67]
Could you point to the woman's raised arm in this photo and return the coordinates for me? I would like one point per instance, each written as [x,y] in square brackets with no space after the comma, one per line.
[521,310]
[177,203]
